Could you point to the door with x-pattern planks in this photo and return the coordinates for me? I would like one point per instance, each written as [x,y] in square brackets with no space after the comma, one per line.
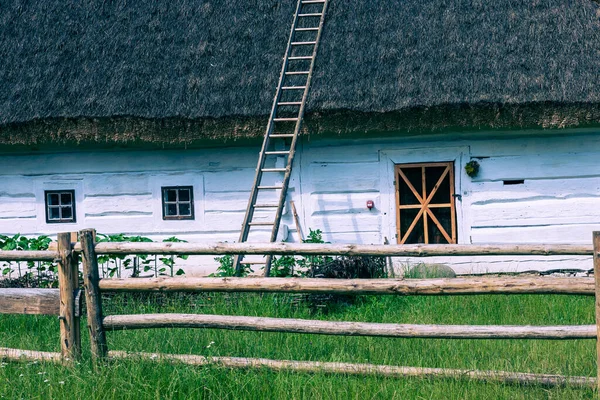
[425,202]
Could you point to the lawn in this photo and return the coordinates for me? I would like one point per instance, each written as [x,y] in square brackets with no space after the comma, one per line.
[138,379]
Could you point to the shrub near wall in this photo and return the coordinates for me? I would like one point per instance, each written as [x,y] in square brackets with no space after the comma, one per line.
[44,273]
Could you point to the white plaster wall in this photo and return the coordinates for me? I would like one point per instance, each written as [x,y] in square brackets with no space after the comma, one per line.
[119,191]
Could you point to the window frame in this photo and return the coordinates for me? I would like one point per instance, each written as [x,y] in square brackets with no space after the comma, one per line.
[164,202]
[47,206]
[452,237]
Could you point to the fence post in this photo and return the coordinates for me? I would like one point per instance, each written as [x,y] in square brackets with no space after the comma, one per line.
[68,281]
[93,297]
[597,302]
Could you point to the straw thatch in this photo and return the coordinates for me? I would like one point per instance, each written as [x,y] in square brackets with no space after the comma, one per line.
[182,71]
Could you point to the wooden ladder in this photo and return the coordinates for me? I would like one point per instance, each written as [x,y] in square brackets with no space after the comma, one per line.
[279,145]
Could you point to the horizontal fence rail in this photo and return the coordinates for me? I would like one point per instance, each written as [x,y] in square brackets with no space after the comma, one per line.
[389,371]
[412,250]
[29,355]
[289,325]
[449,286]
[30,301]
[19,255]
[65,302]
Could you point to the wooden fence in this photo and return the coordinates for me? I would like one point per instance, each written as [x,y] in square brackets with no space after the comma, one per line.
[65,303]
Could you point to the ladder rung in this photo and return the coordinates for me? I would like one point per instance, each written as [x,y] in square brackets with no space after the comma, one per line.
[281,135]
[277,152]
[310,15]
[316,28]
[273,170]
[293,88]
[313,2]
[261,223]
[285,119]
[269,187]
[266,205]
[300,58]
[298,73]
[289,103]
[254,262]
[303,43]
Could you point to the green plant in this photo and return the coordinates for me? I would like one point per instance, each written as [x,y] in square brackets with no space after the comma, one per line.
[226,267]
[472,168]
[114,264]
[42,274]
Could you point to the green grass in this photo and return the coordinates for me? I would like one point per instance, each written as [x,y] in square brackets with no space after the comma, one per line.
[138,379]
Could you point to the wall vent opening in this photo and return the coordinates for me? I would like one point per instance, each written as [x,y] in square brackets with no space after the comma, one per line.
[514,182]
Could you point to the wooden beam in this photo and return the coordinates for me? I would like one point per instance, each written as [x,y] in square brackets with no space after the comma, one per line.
[429,287]
[93,299]
[389,371]
[30,301]
[412,250]
[145,321]
[596,241]
[68,282]
[18,255]
[28,355]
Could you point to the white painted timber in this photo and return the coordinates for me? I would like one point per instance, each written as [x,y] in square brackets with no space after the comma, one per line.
[332,179]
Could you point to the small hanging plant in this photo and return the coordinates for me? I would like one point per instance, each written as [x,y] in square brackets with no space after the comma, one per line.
[472,168]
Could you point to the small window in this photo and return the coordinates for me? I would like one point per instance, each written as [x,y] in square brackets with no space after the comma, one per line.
[178,202]
[60,206]
[425,203]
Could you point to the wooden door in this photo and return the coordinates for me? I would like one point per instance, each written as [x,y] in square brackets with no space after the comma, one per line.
[425,203]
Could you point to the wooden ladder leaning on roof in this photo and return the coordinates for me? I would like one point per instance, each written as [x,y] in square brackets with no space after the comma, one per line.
[284,124]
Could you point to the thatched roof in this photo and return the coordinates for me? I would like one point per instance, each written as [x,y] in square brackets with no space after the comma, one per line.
[80,69]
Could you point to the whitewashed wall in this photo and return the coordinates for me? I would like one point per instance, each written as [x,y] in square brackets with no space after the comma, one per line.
[119,191]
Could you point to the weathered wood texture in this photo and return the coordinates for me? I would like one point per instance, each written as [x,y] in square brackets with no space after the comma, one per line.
[454,286]
[70,340]
[415,250]
[142,321]
[365,369]
[28,355]
[596,240]
[30,301]
[93,298]
[17,255]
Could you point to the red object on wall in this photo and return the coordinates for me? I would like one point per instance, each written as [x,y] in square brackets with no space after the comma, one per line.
[370,204]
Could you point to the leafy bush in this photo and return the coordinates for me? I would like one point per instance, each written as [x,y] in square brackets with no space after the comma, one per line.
[364,267]
[44,273]
[113,265]
[31,273]
[226,267]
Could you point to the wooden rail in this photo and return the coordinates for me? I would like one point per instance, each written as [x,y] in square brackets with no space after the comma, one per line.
[30,301]
[64,302]
[432,287]
[17,255]
[145,321]
[412,250]
[364,369]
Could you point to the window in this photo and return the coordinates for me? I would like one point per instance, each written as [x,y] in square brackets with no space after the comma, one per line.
[178,202]
[60,206]
[425,203]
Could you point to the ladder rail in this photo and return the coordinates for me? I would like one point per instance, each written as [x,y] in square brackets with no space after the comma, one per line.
[265,145]
[273,119]
[290,158]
